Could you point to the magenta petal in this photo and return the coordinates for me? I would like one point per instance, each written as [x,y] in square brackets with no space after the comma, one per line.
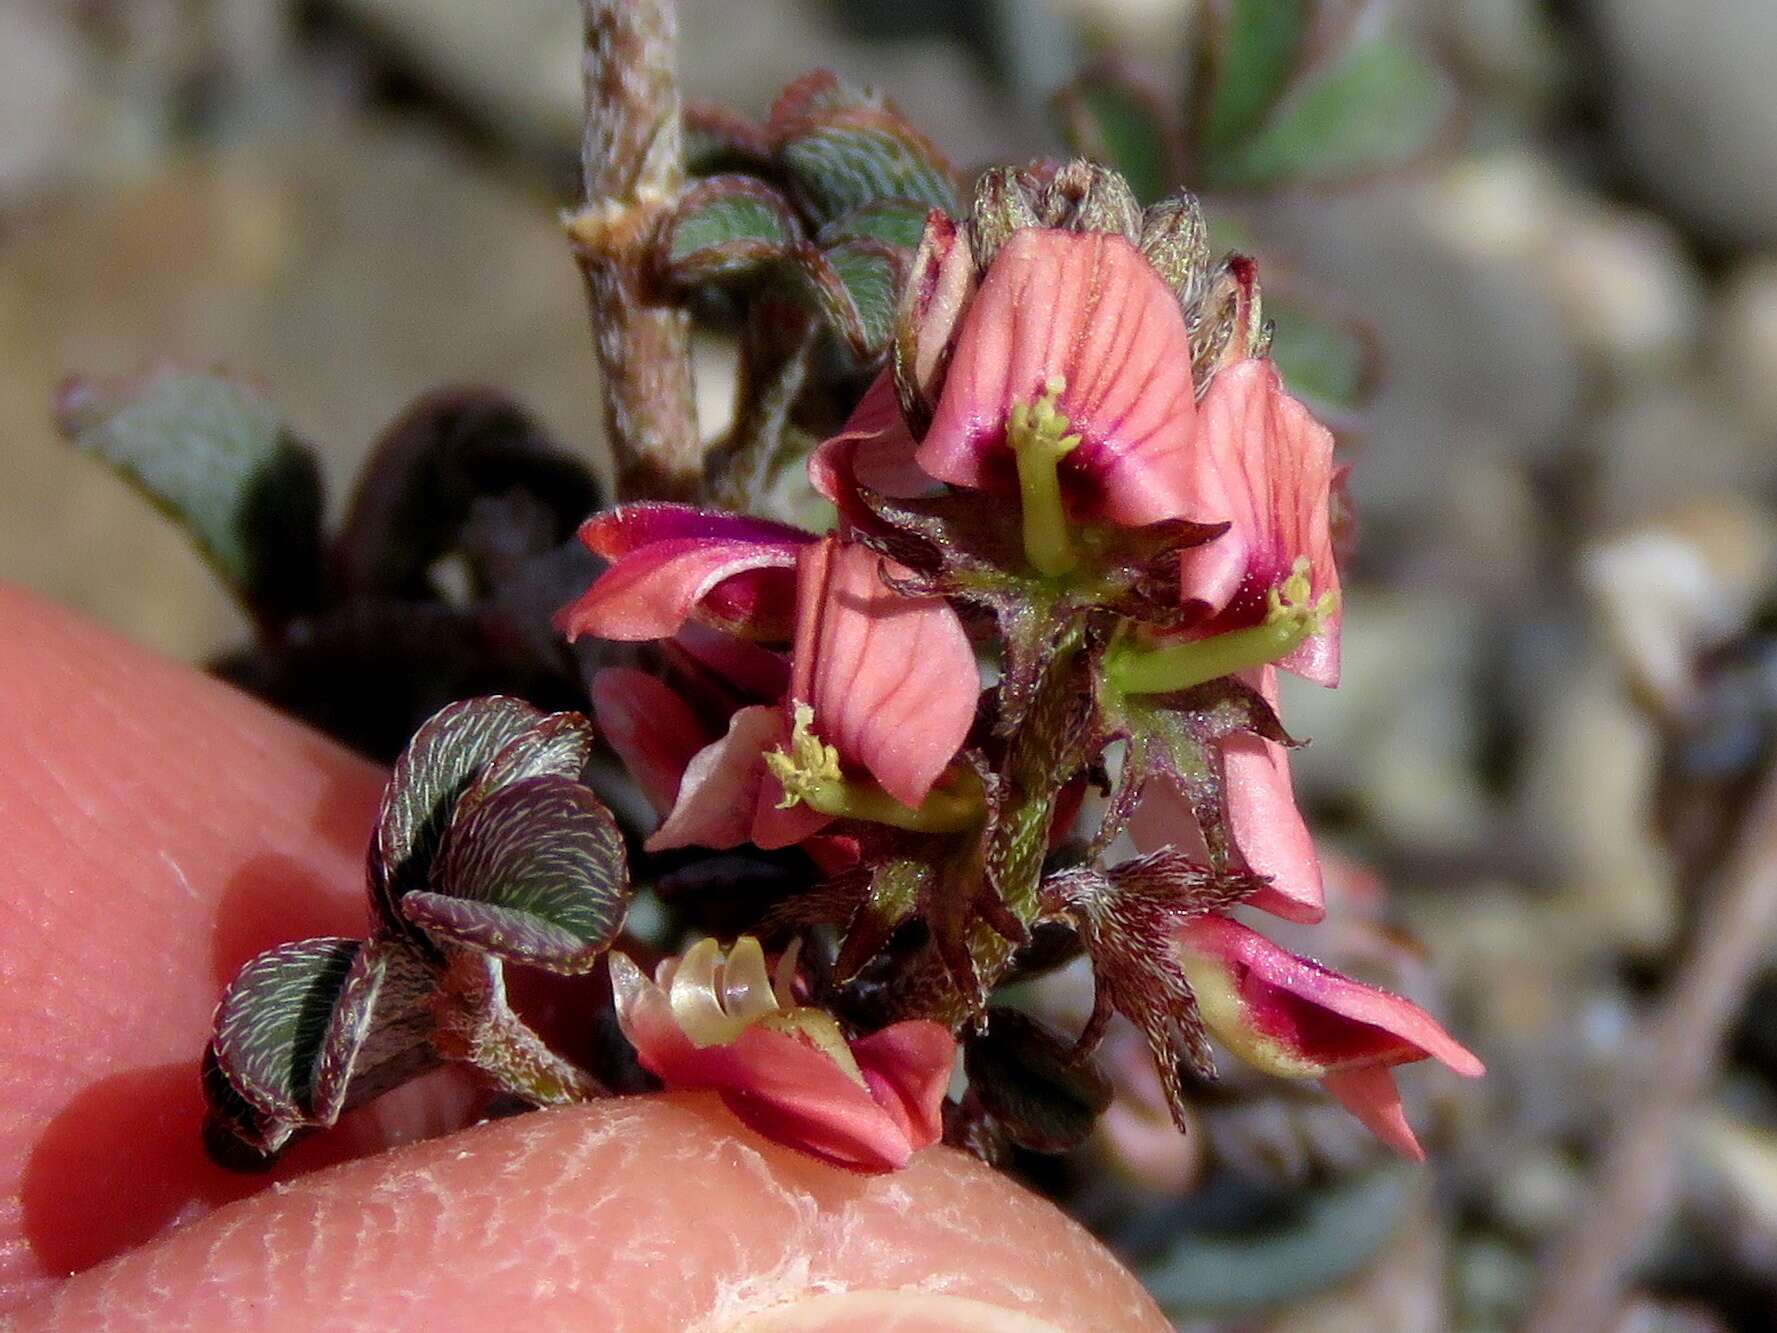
[652,729]
[1370,1094]
[892,679]
[1275,462]
[1319,1016]
[1089,308]
[908,1066]
[667,559]
[649,594]
[875,447]
[625,530]
[720,790]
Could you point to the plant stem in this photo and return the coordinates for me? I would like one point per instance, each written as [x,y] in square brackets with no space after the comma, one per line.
[633,171]
[1586,1274]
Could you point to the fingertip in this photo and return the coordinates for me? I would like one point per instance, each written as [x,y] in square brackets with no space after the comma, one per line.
[635,1215]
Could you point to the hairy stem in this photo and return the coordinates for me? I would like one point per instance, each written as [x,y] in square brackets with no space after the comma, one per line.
[633,171]
[1586,1275]
[476,1025]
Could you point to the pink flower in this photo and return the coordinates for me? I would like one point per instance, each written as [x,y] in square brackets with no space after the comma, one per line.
[892,679]
[1085,311]
[1079,329]
[709,1021]
[1277,464]
[1264,825]
[673,561]
[886,685]
[1292,1017]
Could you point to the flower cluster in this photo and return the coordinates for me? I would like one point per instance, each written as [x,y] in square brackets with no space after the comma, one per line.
[1080,527]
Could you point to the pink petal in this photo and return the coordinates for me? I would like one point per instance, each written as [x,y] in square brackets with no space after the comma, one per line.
[758,674]
[1370,1095]
[668,559]
[1319,1016]
[892,679]
[1265,826]
[908,1067]
[874,450]
[775,1082]
[939,288]
[652,729]
[720,791]
[1087,307]
[1275,462]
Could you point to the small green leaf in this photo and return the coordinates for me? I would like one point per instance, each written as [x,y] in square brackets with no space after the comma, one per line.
[1112,118]
[215,456]
[818,92]
[1027,1077]
[871,272]
[1326,359]
[280,1012]
[561,744]
[1377,107]
[843,159]
[444,757]
[1245,53]
[724,229]
[899,222]
[535,873]
[1290,92]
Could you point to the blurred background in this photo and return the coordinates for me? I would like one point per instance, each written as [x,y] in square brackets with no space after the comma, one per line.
[1554,341]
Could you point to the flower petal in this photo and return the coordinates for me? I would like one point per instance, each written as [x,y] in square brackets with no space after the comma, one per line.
[782,1086]
[939,286]
[875,448]
[1264,824]
[668,559]
[1275,462]
[892,679]
[652,729]
[720,791]
[908,1067]
[1293,1017]
[1370,1094]
[1089,308]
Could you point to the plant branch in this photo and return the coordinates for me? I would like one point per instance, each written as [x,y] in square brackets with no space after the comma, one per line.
[632,165]
[1585,1277]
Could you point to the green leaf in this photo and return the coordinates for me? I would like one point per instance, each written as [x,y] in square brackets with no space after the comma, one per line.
[215,456]
[311,1029]
[535,873]
[725,229]
[1112,118]
[1245,53]
[1290,92]
[1325,359]
[445,756]
[855,287]
[1028,1079]
[1379,107]
[843,159]
[899,222]
[282,1011]
[560,744]
[871,272]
